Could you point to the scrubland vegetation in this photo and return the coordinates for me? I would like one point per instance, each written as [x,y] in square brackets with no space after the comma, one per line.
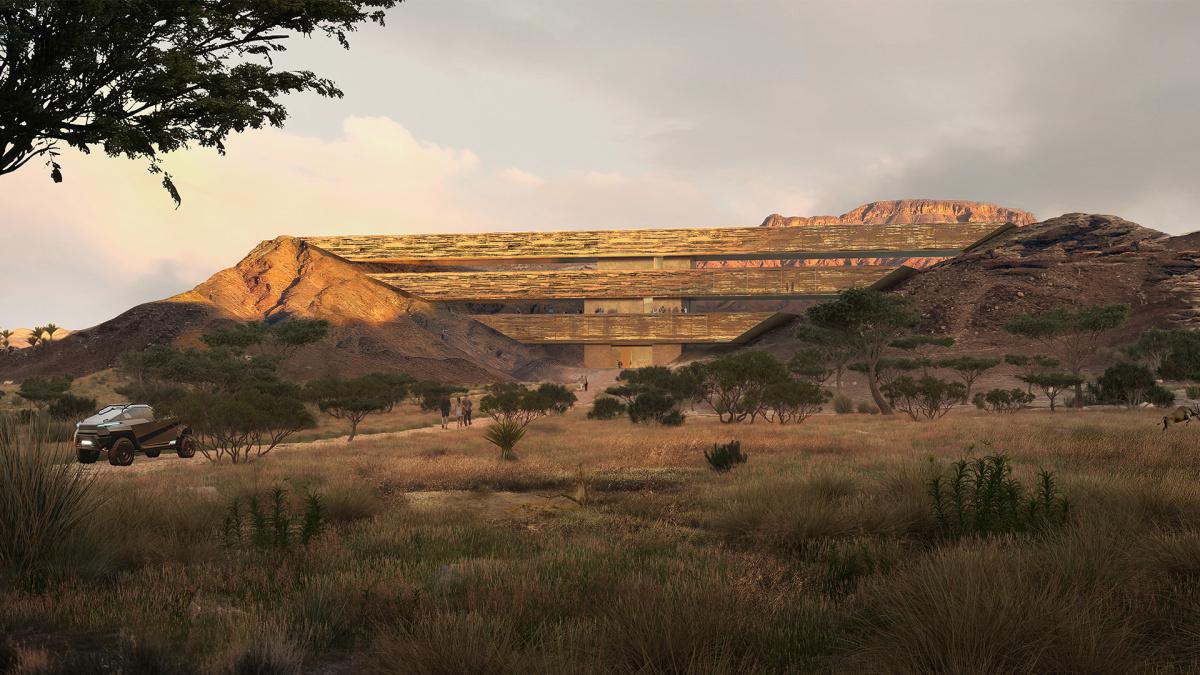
[823,551]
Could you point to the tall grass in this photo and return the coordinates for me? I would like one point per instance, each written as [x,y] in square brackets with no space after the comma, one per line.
[44,496]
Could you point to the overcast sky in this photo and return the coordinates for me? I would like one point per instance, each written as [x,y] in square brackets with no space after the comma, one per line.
[466,115]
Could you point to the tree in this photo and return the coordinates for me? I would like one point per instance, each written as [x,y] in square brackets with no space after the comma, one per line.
[927,397]
[969,369]
[1151,348]
[1052,384]
[41,391]
[288,336]
[792,400]
[922,346]
[655,393]
[352,400]
[429,394]
[733,385]
[241,425]
[812,364]
[71,407]
[1029,365]
[49,330]
[1073,334]
[396,387]
[512,408]
[33,339]
[867,321]
[888,369]
[1182,362]
[5,336]
[1002,400]
[142,78]
[833,351]
[1129,384]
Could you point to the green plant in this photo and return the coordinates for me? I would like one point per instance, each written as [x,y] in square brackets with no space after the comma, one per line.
[927,398]
[505,434]
[725,456]
[969,369]
[1193,392]
[1129,384]
[1073,333]
[71,407]
[792,400]
[44,496]
[866,408]
[1002,400]
[981,498]
[353,400]
[606,408]
[273,530]
[843,404]
[1051,384]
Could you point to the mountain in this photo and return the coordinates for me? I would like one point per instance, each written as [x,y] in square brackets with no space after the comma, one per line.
[20,336]
[899,211]
[374,327]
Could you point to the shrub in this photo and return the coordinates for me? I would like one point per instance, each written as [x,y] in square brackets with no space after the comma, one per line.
[843,404]
[651,405]
[606,408]
[272,527]
[980,497]
[734,385]
[1002,400]
[791,400]
[725,456]
[1051,384]
[44,496]
[1161,397]
[71,407]
[867,408]
[1125,383]
[352,400]
[41,391]
[672,419]
[505,434]
[1193,392]
[927,398]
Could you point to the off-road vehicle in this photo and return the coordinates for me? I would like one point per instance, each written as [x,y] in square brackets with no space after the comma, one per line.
[123,430]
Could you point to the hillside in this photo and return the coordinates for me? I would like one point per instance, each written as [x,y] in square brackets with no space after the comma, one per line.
[19,338]
[375,328]
[911,211]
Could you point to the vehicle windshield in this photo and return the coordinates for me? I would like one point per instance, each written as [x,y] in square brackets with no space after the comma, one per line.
[121,413]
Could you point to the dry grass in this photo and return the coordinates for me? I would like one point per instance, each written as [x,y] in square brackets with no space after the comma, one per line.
[819,554]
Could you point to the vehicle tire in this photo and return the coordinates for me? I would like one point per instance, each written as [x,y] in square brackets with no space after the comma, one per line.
[87,456]
[187,447]
[152,453]
[121,453]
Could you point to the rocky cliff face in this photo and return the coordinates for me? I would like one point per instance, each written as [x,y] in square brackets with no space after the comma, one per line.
[899,211]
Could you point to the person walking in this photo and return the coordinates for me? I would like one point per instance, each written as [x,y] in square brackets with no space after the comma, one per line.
[458,412]
[444,404]
[585,383]
[467,410]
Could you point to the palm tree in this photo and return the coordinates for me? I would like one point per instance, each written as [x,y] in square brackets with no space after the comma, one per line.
[34,339]
[4,336]
[51,329]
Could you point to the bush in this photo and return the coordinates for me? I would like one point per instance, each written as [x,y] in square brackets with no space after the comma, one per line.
[843,404]
[1002,400]
[72,407]
[606,408]
[927,398]
[272,525]
[44,496]
[672,419]
[1161,397]
[725,456]
[1125,383]
[867,408]
[981,498]
[505,433]
[651,405]
[792,400]
[1193,392]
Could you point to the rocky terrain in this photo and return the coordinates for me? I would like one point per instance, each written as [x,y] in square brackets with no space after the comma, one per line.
[911,211]
[374,328]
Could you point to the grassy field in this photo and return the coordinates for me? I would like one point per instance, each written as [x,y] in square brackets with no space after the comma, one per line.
[821,553]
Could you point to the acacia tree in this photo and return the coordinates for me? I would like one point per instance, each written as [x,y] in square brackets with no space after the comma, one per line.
[969,369]
[868,321]
[828,353]
[922,348]
[513,407]
[1073,335]
[734,385]
[140,78]
[353,400]
[1052,384]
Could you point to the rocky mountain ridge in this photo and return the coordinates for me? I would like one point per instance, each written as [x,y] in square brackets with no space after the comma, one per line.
[900,211]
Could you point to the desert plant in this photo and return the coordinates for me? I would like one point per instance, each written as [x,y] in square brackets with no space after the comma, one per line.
[981,498]
[41,391]
[927,398]
[653,393]
[71,407]
[5,340]
[725,456]
[866,408]
[273,528]
[1002,400]
[44,496]
[1051,384]
[842,404]
[354,399]
[792,400]
[1073,333]
[505,434]
[969,369]
[1129,384]
[829,354]
[733,385]
[1193,392]
[606,408]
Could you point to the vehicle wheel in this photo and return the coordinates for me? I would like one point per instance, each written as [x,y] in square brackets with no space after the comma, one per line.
[152,453]
[87,456]
[121,453]
[187,447]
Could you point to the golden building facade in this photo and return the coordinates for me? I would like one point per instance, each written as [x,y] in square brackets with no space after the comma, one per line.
[633,291]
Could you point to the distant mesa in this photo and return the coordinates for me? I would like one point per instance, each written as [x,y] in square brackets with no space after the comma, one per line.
[20,337]
[906,211]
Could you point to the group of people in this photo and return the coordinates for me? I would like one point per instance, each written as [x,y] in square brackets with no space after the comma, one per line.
[462,407]
[662,309]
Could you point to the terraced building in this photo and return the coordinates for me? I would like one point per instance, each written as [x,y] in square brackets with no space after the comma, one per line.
[634,293]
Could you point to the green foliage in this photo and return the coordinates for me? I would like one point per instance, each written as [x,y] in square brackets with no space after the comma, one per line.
[652,405]
[152,78]
[282,338]
[44,497]
[735,384]
[981,498]
[867,322]
[1002,400]
[920,342]
[969,368]
[790,400]
[558,399]
[1129,384]
[238,337]
[1074,334]
[811,364]
[41,391]
[926,398]
[354,399]
[1161,397]
[1182,362]
[606,408]
[843,404]
[505,433]
[1052,384]
[725,456]
[655,393]
[71,407]
[429,394]
[1193,391]
[292,334]
[242,425]
[275,529]
[829,352]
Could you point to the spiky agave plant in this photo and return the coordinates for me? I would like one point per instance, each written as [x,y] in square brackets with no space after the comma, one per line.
[505,434]
[44,495]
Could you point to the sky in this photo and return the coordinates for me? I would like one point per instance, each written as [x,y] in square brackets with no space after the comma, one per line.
[466,115]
